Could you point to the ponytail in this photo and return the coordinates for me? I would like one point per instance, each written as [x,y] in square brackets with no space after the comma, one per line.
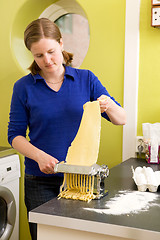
[34,68]
[68,57]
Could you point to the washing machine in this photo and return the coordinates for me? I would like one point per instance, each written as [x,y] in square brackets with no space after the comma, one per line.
[9,197]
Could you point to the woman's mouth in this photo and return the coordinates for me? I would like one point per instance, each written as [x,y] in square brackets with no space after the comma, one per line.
[49,65]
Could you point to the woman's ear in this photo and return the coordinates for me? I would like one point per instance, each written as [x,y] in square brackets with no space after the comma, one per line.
[61,44]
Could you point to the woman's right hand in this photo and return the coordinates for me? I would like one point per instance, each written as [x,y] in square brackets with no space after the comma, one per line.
[46,163]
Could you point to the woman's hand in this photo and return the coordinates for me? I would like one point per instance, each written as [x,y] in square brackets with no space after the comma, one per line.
[105,102]
[46,163]
[115,113]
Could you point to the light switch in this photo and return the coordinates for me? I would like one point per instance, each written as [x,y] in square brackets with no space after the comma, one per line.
[155,22]
[155,2]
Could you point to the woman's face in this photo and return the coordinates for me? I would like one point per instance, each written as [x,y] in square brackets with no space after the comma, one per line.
[48,54]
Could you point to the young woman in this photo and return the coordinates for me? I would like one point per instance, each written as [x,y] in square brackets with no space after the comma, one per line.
[49,102]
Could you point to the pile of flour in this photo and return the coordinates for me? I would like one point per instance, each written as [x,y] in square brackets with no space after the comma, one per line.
[126,202]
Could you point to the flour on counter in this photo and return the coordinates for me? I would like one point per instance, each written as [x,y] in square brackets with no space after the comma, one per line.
[126,202]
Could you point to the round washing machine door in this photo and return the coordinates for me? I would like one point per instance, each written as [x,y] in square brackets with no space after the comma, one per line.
[7,213]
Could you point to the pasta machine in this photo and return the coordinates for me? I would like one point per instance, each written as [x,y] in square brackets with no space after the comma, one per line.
[99,173]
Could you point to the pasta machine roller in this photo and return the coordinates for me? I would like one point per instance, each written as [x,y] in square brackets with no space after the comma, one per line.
[99,173]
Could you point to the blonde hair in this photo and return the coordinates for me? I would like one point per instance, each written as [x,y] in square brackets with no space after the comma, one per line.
[43,28]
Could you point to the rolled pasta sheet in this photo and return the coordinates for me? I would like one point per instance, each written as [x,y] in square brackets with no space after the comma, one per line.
[85,147]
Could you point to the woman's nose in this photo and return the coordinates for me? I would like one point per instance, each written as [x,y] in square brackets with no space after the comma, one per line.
[46,59]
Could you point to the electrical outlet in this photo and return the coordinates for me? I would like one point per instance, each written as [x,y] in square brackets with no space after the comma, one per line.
[140,142]
[155,16]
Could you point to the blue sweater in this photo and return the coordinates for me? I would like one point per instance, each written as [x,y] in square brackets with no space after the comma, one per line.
[53,118]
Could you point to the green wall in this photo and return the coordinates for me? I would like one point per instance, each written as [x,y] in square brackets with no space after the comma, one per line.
[149,69]
[105,58]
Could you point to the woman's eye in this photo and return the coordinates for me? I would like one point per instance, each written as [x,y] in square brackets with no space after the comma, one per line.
[38,56]
[51,51]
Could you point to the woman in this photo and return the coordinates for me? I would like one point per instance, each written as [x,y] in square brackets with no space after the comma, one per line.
[49,101]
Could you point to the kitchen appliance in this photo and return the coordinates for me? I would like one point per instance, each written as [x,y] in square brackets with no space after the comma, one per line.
[99,173]
[9,195]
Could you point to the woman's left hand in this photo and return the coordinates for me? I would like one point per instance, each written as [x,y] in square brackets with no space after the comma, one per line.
[115,113]
[105,102]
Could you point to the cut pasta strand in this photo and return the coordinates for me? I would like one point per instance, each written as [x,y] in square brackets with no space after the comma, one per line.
[78,186]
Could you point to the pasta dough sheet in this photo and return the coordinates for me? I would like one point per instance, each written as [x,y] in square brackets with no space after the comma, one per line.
[84,152]
[85,147]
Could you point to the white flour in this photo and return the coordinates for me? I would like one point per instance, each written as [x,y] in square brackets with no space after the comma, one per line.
[126,202]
